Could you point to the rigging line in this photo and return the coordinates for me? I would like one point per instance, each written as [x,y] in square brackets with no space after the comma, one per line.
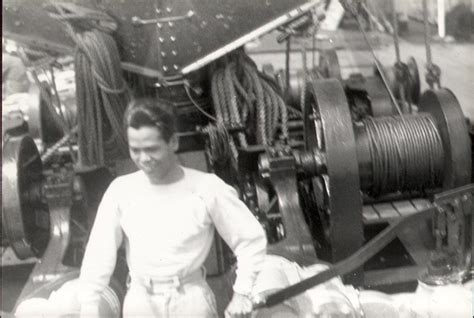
[287,63]
[186,88]
[379,68]
[67,123]
[313,48]
[429,61]
[395,31]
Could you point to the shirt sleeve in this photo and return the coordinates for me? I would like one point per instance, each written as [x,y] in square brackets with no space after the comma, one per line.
[240,230]
[101,251]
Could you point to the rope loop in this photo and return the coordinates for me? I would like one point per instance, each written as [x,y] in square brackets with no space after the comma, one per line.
[243,96]
[101,91]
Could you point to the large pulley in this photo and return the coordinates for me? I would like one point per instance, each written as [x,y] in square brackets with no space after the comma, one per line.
[404,80]
[328,67]
[328,130]
[25,217]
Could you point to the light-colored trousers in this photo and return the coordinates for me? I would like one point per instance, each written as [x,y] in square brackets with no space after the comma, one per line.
[193,298]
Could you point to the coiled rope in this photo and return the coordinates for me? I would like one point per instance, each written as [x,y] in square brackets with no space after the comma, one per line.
[243,97]
[406,155]
[101,90]
[219,151]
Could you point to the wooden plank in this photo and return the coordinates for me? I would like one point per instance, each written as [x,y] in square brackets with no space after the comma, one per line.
[405,208]
[392,276]
[369,215]
[387,211]
[420,204]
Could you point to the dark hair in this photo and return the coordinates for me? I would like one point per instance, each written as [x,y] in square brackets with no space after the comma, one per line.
[151,112]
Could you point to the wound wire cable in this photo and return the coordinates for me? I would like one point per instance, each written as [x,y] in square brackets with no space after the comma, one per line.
[405,154]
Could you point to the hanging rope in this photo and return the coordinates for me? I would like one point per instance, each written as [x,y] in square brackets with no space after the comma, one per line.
[433,73]
[219,150]
[243,97]
[406,154]
[305,78]
[395,31]
[101,91]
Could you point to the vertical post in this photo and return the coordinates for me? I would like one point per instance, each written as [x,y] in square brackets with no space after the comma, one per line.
[441,19]
[287,63]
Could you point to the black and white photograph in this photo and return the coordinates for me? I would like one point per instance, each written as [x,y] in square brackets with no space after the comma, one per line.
[237,159]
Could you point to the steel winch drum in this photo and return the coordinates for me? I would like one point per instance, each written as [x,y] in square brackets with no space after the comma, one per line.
[25,220]
[330,130]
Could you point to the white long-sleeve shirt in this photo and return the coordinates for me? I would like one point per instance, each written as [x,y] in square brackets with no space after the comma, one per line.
[168,230]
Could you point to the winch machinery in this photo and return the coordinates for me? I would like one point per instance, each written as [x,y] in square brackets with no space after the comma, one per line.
[324,162]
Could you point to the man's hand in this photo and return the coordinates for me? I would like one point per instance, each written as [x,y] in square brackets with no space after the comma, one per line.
[239,307]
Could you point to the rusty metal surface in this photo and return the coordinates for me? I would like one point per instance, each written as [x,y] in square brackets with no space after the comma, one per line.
[159,36]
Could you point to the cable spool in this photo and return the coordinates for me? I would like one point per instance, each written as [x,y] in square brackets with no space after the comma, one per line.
[426,151]
[415,153]
[406,154]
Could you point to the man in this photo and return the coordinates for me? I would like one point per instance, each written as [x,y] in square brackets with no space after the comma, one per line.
[166,215]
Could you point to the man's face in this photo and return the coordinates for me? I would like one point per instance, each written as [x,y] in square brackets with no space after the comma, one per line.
[150,152]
